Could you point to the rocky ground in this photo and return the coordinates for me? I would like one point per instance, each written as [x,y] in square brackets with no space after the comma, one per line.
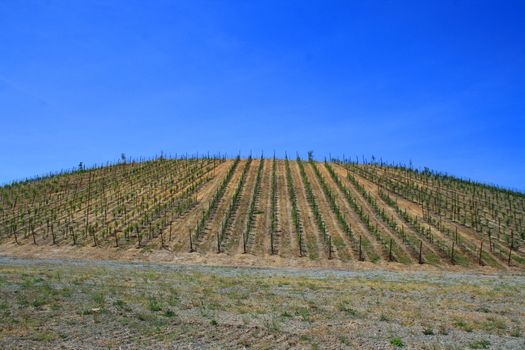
[83,304]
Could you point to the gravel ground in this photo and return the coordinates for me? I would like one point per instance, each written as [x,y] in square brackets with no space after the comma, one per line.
[81,304]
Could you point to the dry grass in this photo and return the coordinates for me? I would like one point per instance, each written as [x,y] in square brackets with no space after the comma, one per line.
[108,304]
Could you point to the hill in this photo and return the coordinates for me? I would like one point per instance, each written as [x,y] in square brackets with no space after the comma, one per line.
[298,211]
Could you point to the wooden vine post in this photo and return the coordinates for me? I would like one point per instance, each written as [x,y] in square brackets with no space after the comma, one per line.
[360,250]
[271,243]
[480,262]
[420,252]
[191,243]
[390,250]
[330,247]
[300,245]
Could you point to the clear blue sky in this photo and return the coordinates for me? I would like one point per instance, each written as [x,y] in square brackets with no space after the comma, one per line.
[440,83]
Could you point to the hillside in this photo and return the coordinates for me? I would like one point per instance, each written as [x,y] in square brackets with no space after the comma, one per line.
[334,213]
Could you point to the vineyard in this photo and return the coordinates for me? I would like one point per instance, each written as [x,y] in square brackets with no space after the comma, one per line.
[333,211]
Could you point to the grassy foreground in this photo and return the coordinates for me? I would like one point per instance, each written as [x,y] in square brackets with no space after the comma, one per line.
[82,304]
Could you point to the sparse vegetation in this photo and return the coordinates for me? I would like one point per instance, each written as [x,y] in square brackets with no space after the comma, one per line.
[153,305]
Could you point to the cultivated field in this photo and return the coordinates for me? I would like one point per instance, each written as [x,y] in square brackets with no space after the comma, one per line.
[267,211]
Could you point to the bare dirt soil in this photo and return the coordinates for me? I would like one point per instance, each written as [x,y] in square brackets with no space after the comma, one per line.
[132,254]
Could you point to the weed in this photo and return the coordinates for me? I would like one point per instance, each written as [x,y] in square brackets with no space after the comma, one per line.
[347,309]
[286,314]
[45,336]
[304,313]
[153,305]
[37,303]
[27,283]
[483,309]
[22,301]
[463,325]
[516,332]
[428,331]
[86,312]
[273,325]
[480,344]
[384,318]
[99,298]
[119,303]
[174,299]
[169,313]
[344,340]
[304,338]
[122,305]
[144,317]
[397,342]
[492,324]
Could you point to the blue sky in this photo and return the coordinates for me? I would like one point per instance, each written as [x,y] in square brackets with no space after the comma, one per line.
[438,83]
